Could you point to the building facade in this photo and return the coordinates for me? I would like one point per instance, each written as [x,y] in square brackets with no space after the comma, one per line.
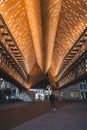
[74,92]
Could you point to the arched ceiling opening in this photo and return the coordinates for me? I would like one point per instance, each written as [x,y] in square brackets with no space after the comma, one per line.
[45,31]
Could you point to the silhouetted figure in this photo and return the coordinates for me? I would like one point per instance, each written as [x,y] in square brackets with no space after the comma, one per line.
[52,101]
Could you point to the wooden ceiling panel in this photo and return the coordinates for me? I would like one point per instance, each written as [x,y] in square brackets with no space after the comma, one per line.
[34,18]
[72,22]
[15,17]
[45,31]
[50,10]
[35,76]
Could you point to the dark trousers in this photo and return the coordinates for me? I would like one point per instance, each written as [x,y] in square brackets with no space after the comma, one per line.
[52,104]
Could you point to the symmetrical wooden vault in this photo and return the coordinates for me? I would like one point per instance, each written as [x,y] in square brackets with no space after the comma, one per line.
[44,31]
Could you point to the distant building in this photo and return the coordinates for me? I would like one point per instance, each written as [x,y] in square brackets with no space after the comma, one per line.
[41,94]
[74,92]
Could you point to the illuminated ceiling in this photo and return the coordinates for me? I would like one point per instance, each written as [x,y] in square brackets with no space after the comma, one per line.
[45,31]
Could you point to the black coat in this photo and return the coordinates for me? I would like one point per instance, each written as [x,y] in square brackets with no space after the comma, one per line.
[52,98]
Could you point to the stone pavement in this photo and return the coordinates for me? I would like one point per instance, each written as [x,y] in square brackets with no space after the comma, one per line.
[14,114]
[11,105]
[70,117]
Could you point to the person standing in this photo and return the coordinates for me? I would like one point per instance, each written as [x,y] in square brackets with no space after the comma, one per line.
[52,101]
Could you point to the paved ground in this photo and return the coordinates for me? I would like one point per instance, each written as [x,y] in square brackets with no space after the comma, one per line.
[70,117]
[6,106]
[12,115]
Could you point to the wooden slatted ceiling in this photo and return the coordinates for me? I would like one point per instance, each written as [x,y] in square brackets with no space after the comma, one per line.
[15,17]
[72,22]
[35,76]
[45,30]
[50,16]
[34,18]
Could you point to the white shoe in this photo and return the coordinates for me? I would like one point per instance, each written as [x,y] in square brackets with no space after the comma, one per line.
[54,109]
